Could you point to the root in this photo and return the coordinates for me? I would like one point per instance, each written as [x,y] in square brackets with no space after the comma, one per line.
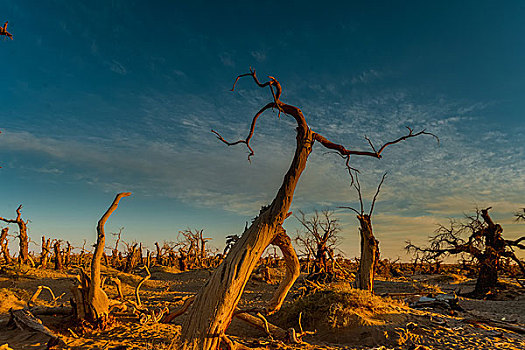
[31,302]
[176,313]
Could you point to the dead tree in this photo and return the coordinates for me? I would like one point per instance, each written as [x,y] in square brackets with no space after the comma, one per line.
[59,265]
[115,262]
[485,244]
[364,278]
[89,301]
[44,255]
[4,245]
[322,230]
[215,304]
[23,255]
[133,258]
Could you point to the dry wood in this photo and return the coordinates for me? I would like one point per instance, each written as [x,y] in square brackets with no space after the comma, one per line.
[173,314]
[37,293]
[23,254]
[283,241]
[4,245]
[137,296]
[118,284]
[24,319]
[275,331]
[90,300]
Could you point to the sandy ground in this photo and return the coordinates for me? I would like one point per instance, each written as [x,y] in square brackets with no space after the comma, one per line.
[396,327]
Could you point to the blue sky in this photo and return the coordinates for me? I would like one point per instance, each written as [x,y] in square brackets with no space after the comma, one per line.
[106,96]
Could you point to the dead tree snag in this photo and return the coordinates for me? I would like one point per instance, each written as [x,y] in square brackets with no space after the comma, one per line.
[320,237]
[485,244]
[215,304]
[59,265]
[4,245]
[89,300]
[369,244]
[44,255]
[23,255]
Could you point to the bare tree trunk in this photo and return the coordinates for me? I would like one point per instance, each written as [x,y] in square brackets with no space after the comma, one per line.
[490,259]
[44,256]
[213,308]
[4,245]
[23,255]
[90,301]
[58,257]
[369,254]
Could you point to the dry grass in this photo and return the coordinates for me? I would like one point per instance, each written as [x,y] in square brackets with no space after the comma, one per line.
[337,305]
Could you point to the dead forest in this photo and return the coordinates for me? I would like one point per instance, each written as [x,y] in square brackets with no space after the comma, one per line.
[268,288]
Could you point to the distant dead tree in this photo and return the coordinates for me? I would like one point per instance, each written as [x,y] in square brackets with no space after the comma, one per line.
[320,236]
[59,264]
[369,244]
[520,215]
[3,31]
[485,243]
[89,301]
[193,248]
[46,250]
[23,255]
[133,257]
[115,261]
[215,304]
[4,245]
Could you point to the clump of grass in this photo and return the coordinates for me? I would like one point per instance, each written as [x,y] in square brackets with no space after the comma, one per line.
[337,305]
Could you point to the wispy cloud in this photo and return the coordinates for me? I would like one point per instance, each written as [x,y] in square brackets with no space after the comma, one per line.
[259,56]
[227,59]
[117,67]
[366,77]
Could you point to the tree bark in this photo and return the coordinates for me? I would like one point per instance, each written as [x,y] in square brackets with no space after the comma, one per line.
[44,256]
[490,259]
[293,270]
[58,257]
[369,254]
[90,301]
[213,308]
[23,255]
[4,245]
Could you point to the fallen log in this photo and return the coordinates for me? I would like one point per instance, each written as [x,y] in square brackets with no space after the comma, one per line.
[24,319]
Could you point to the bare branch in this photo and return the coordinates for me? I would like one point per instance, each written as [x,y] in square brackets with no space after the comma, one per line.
[250,135]
[375,196]
[376,154]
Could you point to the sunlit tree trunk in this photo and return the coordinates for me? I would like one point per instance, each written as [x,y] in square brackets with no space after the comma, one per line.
[369,254]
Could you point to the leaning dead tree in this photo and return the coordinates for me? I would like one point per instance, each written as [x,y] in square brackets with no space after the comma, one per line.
[319,238]
[364,278]
[23,255]
[89,301]
[484,242]
[215,305]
